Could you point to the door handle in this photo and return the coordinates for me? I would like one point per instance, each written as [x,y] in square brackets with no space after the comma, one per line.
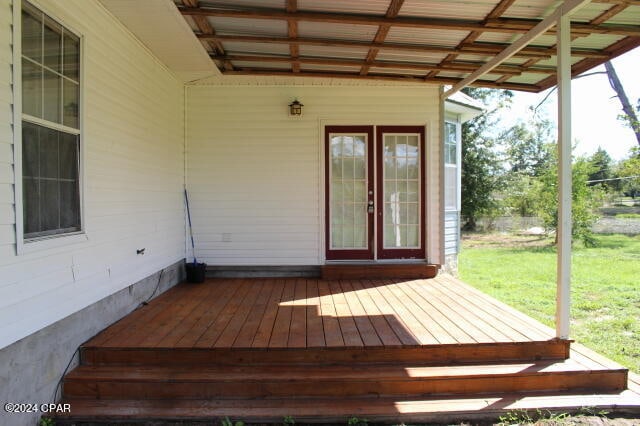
[370,207]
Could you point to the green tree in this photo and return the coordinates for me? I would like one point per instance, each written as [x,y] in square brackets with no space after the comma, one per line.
[584,199]
[627,169]
[481,166]
[601,169]
[527,146]
[522,197]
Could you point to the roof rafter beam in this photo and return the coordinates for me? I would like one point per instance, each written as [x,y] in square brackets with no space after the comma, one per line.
[608,14]
[292,31]
[383,77]
[392,11]
[501,25]
[481,49]
[627,2]
[473,35]
[205,27]
[565,9]
[452,66]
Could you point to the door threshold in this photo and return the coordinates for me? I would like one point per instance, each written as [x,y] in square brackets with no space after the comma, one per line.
[378,262]
[379,270]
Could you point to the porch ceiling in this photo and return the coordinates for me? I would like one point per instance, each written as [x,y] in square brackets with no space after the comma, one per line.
[431,41]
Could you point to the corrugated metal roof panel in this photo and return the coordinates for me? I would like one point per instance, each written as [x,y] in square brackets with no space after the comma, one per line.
[629,16]
[488,37]
[491,77]
[471,9]
[552,62]
[474,10]
[590,11]
[243,3]
[396,56]
[531,9]
[337,31]
[257,64]
[596,41]
[526,78]
[432,37]
[452,74]
[546,40]
[473,58]
[369,7]
[334,52]
[339,68]
[243,26]
[397,71]
[259,48]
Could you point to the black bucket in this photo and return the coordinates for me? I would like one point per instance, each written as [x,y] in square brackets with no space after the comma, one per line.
[196,272]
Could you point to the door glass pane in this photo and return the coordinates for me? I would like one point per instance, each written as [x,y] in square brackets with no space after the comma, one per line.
[401,177]
[347,192]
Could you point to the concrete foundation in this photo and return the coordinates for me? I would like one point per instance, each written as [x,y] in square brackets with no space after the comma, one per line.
[450,265]
[31,368]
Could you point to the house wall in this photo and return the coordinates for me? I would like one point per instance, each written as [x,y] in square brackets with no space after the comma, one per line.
[133,170]
[255,174]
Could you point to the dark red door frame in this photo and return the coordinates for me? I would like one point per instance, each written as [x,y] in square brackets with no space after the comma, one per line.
[399,253]
[347,254]
[369,253]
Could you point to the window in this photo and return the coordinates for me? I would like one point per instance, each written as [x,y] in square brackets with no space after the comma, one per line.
[50,126]
[450,166]
[450,143]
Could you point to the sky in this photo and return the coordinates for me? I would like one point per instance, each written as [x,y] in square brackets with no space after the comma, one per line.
[595,109]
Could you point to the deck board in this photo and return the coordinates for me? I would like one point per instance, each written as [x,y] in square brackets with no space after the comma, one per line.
[315,329]
[380,324]
[262,337]
[316,313]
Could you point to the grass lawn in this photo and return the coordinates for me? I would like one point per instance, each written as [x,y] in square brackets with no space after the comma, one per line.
[605,309]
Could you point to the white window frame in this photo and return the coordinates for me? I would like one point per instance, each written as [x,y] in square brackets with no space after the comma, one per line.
[58,240]
[457,164]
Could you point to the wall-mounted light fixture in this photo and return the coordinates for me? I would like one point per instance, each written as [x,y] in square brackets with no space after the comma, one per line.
[295,108]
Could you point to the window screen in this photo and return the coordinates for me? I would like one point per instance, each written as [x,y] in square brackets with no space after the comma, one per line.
[50,126]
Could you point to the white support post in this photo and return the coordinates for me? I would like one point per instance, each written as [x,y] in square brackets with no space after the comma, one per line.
[563,298]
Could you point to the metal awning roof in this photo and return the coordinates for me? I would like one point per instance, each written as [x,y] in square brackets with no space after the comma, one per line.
[429,41]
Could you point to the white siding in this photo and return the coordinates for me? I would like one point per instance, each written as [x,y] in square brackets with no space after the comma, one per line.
[255,174]
[451,232]
[133,176]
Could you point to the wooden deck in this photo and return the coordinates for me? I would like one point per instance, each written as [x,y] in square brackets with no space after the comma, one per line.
[324,350]
[312,313]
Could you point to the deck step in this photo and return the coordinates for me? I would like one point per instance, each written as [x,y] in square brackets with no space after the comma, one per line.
[553,349]
[364,271]
[128,382]
[441,410]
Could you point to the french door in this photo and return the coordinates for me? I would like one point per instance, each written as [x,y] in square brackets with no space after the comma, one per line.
[374,192]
